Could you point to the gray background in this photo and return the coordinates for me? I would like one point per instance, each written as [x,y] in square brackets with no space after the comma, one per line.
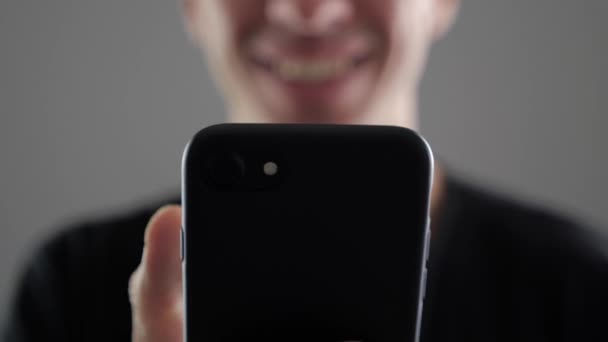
[98,98]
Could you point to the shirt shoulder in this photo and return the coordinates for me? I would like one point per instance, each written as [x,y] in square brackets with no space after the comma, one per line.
[119,234]
[504,269]
[84,268]
[527,228]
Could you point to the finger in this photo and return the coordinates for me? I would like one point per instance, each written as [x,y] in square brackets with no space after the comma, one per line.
[161,261]
[155,287]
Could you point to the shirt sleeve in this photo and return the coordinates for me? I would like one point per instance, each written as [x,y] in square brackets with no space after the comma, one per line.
[75,286]
[38,309]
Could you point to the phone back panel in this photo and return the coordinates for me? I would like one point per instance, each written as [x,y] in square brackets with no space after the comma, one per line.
[331,248]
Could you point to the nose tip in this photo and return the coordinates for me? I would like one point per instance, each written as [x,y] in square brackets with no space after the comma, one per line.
[310,8]
[309,16]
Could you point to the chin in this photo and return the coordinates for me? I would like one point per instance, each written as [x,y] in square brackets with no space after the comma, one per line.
[307,114]
[315,93]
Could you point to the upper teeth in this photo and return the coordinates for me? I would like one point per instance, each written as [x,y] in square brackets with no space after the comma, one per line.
[315,71]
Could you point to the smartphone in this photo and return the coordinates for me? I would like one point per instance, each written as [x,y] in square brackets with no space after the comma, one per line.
[305,233]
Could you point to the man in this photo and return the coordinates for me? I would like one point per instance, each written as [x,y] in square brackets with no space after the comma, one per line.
[499,271]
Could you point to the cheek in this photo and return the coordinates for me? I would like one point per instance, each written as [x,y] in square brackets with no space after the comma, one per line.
[391,21]
[378,14]
[244,16]
[403,27]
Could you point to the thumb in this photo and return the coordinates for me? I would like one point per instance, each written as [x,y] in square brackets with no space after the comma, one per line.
[156,285]
[161,257]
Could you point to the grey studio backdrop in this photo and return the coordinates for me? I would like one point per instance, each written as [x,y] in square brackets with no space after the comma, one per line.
[98,98]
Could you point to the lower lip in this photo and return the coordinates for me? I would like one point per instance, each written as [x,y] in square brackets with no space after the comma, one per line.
[319,92]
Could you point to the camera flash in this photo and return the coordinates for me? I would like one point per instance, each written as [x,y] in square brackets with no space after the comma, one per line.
[271,169]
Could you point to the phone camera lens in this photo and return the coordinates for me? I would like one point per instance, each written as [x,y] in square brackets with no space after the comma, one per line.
[227,170]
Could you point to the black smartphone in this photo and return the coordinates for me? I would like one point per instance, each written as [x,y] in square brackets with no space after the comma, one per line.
[305,233]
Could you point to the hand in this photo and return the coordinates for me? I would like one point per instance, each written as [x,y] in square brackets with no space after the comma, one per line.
[155,288]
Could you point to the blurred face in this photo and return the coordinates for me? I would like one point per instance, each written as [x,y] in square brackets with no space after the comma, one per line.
[321,61]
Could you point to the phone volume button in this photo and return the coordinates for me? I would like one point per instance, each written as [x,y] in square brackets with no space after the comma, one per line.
[181,244]
[424,278]
[427,241]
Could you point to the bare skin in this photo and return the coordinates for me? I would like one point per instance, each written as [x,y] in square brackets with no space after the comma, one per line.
[155,289]
[277,61]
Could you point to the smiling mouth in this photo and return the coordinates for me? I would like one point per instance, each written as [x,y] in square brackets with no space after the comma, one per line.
[312,71]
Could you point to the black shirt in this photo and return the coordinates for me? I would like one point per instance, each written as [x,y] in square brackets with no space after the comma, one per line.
[499,271]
